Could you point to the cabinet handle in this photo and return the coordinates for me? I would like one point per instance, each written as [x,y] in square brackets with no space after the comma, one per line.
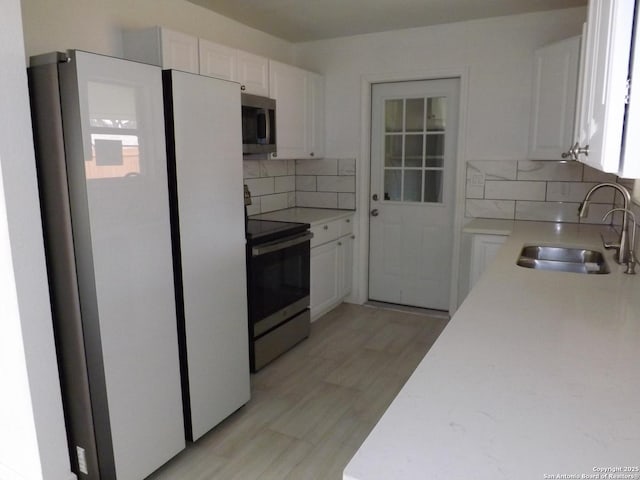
[243,88]
[274,154]
[326,227]
[311,154]
[339,244]
[353,237]
[348,220]
[576,150]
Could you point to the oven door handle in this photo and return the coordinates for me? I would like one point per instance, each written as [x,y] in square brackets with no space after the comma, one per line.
[280,245]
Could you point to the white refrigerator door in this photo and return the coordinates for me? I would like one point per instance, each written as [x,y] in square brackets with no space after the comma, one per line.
[128,234]
[208,162]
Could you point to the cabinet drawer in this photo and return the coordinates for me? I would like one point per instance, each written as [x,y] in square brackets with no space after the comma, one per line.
[325,232]
[346,226]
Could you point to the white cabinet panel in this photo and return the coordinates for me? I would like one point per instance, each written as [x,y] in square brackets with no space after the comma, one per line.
[325,283]
[603,79]
[484,248]
[315,113]
[345,260]
[163,47]
[288,85]
[299,98]
[218,61]
[630,167]
[554,99]
[253,73]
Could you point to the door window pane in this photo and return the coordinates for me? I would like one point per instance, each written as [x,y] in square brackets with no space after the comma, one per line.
[393,150]
[436,113]
[433,186]
[393,113]
[414,115]
[412,185]
[413,150]
[392,185]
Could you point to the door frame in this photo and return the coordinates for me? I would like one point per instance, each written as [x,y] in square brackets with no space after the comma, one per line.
[366,83]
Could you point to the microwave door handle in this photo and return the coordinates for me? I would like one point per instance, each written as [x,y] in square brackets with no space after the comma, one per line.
[267,126]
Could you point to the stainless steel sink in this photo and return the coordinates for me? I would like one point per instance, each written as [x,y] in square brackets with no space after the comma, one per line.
[562,259]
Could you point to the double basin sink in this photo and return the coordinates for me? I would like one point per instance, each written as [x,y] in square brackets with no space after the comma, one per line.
[563,259]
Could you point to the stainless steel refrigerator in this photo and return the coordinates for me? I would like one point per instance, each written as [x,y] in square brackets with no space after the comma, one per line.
[204,149]
[102,173]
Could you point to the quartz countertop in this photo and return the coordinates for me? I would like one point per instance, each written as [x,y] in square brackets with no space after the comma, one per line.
[312,216]
[536,376]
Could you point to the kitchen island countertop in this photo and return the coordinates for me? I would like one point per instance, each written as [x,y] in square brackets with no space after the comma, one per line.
[536,376]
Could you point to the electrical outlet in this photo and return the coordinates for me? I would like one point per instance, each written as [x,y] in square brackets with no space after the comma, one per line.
[477,180]
[82,460]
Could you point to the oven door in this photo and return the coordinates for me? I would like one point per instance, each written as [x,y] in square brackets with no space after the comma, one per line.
[278,281]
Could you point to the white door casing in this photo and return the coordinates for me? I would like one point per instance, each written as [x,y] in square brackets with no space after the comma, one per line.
[413,185]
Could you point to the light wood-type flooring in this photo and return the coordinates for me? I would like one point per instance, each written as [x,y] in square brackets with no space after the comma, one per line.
[311,409]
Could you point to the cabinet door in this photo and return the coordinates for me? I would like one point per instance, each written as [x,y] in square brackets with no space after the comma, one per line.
[484,248]
[315,111]
[289,87]
[345,261]
[218,61]
[253,74]
[604,83]
[179,51]
[325,283]
[631,157]
[554,99]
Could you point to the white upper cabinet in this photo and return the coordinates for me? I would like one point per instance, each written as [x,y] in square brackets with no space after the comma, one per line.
[554,99]
[299,96]
[218,61]
[603,84]
[630,167]
[315,114]
[163,47]
[253,73]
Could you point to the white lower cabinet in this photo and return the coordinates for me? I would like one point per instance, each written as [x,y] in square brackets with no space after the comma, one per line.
[484,248]
[331,265]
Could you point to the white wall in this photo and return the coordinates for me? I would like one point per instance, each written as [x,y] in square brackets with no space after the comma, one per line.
[96,25]
[498,52]
[32,436]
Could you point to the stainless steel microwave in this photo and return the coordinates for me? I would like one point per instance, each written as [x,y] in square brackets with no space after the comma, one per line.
[258,124]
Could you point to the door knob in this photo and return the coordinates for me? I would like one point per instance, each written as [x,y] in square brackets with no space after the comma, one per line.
[375,197]
[374,212]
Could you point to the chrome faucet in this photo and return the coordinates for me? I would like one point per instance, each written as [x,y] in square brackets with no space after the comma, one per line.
[631,261]
[622,247]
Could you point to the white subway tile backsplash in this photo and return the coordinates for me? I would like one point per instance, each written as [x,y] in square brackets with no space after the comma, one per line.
[260,186]
[251,168]
[278,201]
[324,166]
[347,201]
[291,199]
[334,183]
[549,170]
[285,184]
[493,169]
[347,166]
[490,208]
[291,167]
[576,191]
[547,211]
[317,199]
[512,190]
[254,208]
[273,168]
[596,176]
[306,183]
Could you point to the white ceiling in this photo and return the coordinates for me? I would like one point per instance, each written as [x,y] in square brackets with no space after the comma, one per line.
[305,20]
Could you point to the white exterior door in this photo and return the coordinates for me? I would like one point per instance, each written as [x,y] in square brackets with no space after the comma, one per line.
[413,142]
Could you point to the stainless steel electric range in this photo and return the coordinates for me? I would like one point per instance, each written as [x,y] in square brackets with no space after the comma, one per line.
[278,255]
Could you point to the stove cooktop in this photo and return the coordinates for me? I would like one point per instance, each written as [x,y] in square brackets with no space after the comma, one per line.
[259,231]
